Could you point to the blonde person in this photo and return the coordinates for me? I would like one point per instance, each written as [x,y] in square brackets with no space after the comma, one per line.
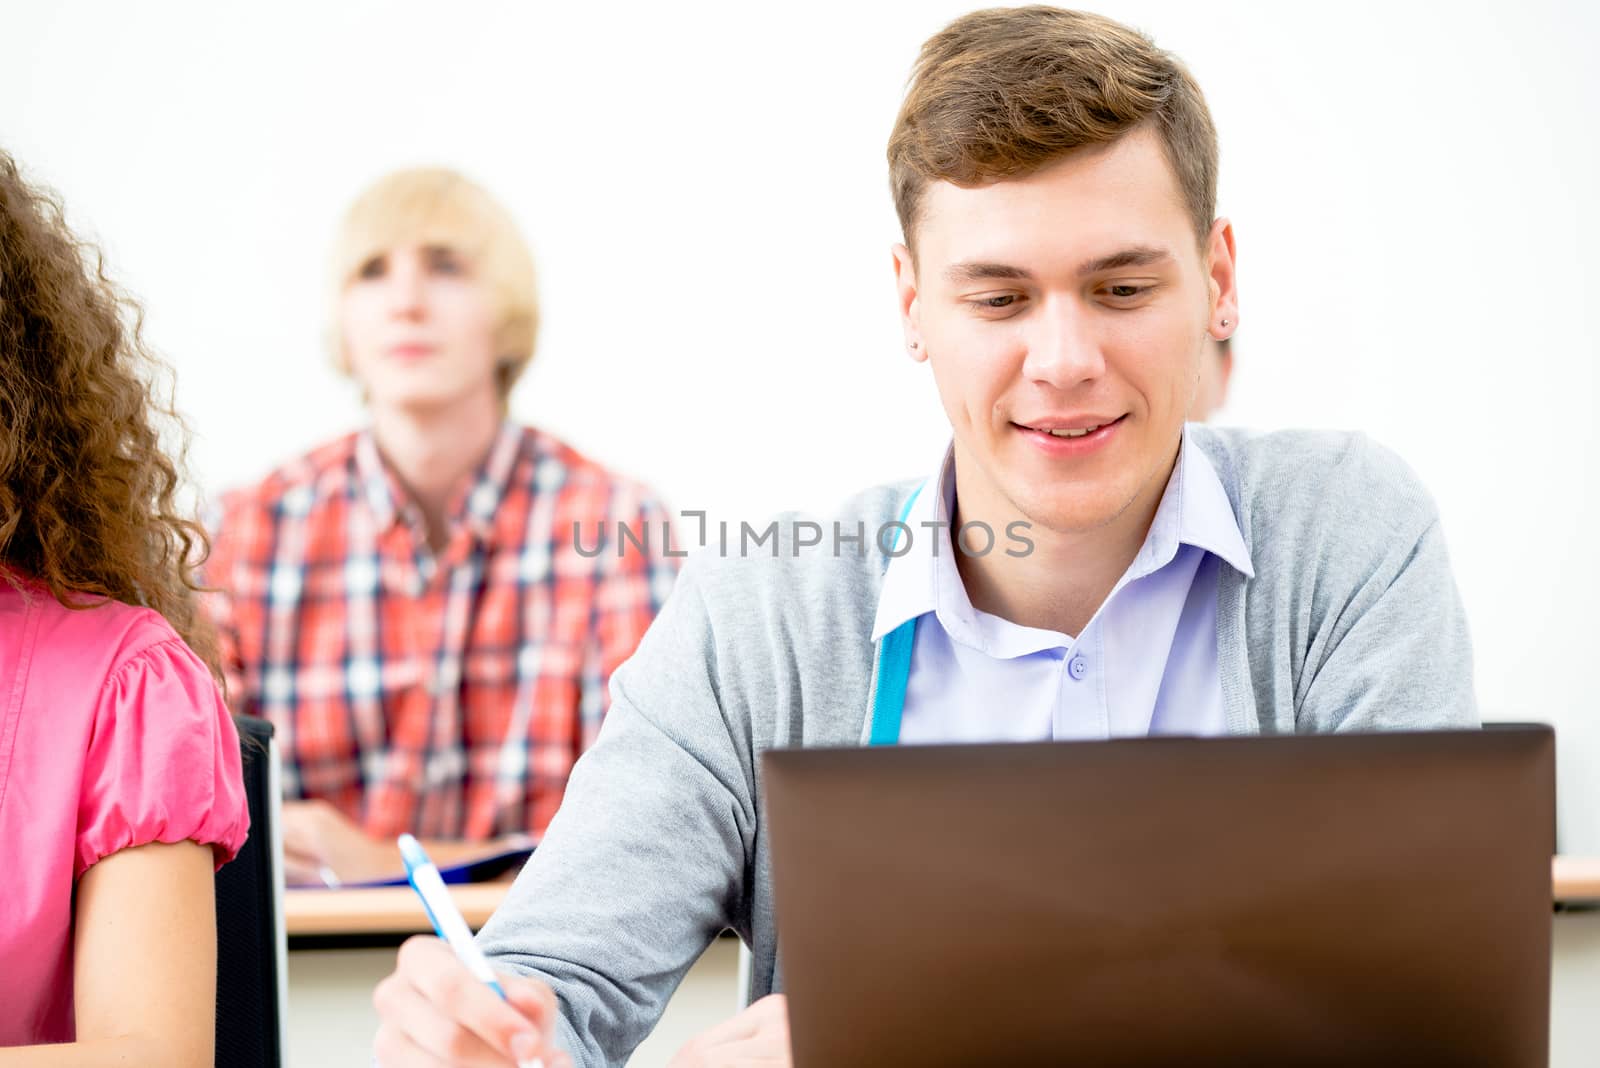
[408,604]
[120,786]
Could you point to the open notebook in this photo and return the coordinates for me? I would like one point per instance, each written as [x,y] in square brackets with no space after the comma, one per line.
[477,868]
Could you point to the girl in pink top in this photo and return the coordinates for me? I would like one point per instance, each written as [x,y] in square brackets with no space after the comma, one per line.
[120,784]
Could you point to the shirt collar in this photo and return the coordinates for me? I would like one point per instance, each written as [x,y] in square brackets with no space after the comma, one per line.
[1194,510]
[1208,521]
[474,504]
[379,486]
[908,590]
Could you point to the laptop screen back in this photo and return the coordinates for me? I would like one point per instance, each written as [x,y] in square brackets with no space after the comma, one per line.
[1377,898]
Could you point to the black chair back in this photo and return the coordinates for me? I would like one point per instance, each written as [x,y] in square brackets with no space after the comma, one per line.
[251,979]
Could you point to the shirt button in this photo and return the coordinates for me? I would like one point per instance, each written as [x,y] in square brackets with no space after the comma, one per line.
[1077,667]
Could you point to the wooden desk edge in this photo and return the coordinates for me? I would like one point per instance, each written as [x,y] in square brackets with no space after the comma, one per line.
[1576,878]
[381,910]
[396,909]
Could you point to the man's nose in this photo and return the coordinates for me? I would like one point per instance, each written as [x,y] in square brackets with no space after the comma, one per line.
[405,288]
[1063,347]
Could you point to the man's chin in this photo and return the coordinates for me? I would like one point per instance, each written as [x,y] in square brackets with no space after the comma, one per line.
[1082,511]
[419,403]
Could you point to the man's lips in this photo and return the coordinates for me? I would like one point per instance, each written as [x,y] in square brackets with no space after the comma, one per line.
[1071,427]
[411,350]
[1070,439]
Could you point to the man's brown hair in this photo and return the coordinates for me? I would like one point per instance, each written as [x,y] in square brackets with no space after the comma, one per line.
[1001,93]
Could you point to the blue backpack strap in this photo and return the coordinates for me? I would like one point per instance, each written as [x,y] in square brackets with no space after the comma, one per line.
[894,670]
[894,667]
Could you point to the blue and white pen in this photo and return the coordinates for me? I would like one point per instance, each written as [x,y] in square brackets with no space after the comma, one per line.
[447,919]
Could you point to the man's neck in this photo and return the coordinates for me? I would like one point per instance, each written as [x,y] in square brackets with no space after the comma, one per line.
[432,450]
[1062,582]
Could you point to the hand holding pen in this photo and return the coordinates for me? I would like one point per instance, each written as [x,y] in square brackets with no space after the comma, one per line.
[443,1004]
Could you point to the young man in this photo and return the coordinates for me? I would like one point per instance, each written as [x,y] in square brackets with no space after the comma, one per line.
[408,605]
[1062,275]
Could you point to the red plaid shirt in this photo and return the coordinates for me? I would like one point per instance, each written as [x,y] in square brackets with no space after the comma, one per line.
[443,695]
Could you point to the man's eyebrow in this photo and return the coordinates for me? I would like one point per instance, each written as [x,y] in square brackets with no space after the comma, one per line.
[1136,256]
[1133,256]
[965,273]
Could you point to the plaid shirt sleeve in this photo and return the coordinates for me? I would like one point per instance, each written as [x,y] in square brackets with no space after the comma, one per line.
[631,592]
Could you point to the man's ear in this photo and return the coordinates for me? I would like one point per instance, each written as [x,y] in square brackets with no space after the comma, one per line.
[905,283]
[1220,267]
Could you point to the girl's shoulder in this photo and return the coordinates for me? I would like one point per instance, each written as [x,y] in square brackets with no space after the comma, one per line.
[79,647]
[88,630]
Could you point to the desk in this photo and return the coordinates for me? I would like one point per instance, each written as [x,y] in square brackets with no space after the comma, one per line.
[396,910]
[331,1019]
[1577,879]
[384,910]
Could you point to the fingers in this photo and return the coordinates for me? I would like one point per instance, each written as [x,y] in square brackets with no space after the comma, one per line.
[325,847]
[426,1036]
[392,1048]
[300,871]
[758,1035]
[748,1054]
[534,999]
[770,1043]
[758,1017]
[435,1003]
[302,835]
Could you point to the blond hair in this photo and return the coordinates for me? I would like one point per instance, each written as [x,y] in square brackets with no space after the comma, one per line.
[437,206]
[1000,93]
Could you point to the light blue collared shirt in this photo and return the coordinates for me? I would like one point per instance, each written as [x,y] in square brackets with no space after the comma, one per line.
[1145,664]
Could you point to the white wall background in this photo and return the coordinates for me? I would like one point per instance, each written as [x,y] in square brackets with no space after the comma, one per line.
[1412,186]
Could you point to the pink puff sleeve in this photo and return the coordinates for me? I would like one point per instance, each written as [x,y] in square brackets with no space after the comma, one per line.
[163,761]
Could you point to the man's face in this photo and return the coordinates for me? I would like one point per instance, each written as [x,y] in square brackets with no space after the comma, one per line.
[1071,300]
[418,329]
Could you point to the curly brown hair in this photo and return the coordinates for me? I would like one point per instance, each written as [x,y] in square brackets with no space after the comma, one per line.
[88,496]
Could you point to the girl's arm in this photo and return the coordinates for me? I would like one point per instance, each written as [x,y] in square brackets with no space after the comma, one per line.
[145,967]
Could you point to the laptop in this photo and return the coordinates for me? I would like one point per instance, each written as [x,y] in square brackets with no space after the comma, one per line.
[1316,900]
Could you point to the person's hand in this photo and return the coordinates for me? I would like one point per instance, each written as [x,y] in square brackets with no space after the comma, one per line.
[323,847]
[757,1036]
[432,1012]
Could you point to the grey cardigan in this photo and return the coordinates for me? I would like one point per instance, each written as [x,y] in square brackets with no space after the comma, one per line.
[1352,622]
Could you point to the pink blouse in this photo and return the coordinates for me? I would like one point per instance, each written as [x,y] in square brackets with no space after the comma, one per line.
[112,734]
